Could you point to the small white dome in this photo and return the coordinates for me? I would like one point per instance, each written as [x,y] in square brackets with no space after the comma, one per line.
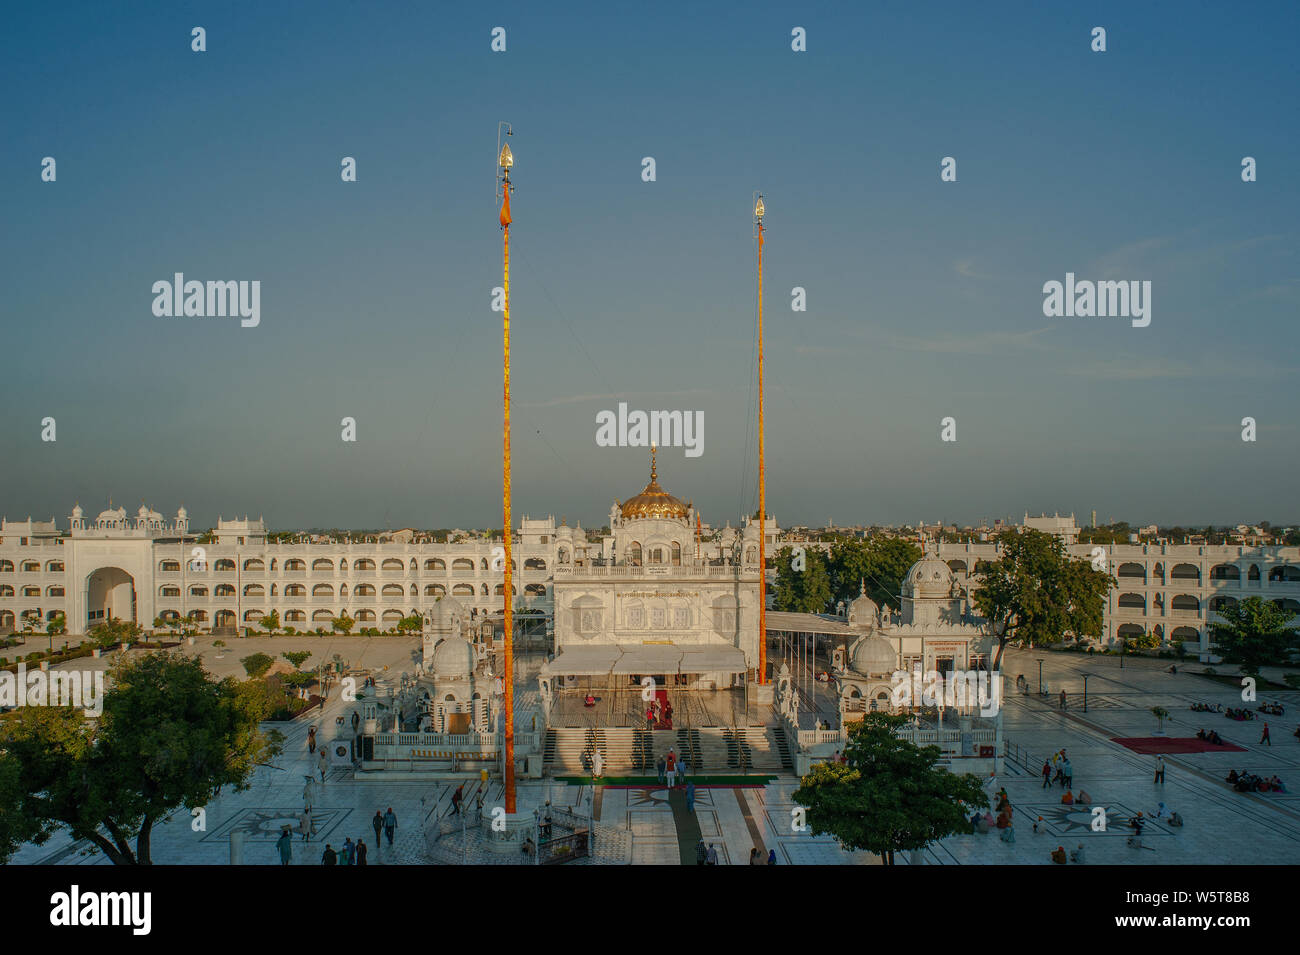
[929,577]
[181,512]
[143,512]
[863,612]
[453,658]
[77,511]
[873,654]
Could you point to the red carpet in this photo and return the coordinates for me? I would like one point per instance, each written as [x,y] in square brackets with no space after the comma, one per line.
[1155,745]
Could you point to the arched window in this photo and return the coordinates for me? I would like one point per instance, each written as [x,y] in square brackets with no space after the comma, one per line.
[677,554]
[322,590]
[435,563]
[254,564]
[634,554]
[322,565]
[169,566]
[435,590]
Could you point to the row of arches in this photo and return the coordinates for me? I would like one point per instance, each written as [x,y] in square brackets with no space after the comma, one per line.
[32,566]
[326,564]
[318,590]
[31,590]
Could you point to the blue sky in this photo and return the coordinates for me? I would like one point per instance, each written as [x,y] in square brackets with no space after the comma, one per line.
[924,298]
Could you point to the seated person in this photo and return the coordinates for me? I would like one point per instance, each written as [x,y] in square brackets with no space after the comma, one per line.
[982,826]
[1160,812]
[1137,822]
[1083,799]
[1004,819]
[1008,834]
[1077,854]
[1233,775]
[1039,825]
[1067,799]
[1175,819]
[1200,734]
[1058,855]
[589,700]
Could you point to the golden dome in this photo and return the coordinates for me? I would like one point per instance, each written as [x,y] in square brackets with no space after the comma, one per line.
[654,501]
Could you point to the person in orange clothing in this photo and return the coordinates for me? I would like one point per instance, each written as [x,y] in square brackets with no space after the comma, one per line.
[1067,799]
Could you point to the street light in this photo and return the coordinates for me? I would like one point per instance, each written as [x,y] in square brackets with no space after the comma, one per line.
[1040,676]
[1085,693]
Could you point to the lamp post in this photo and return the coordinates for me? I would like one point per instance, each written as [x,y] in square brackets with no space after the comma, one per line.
[1040,676]
[505,161]
[759,211]
[1085,693]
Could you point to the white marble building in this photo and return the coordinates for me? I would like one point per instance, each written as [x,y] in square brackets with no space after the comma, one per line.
[658,601]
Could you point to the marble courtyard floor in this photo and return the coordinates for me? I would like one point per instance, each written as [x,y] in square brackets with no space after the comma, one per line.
[646,827]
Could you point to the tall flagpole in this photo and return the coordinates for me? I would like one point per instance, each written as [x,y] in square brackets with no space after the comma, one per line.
[505,160]
[759,211]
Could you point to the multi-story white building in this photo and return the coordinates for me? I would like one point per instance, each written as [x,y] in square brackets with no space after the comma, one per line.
[1171,590]
[146,567]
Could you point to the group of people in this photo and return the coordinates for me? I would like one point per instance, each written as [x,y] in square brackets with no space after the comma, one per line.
[1206,708]
[1272,709]
[352,853]
[1245,782]
[669,766]
[659,716]
[1070,799]
[1063,769]
[1059,856]
[1238,713]
[1211,737]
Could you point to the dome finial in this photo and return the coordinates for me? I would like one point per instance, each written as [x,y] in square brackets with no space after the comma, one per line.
[653,466]
[862,592]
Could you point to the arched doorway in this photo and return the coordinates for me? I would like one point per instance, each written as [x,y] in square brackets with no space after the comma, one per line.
[110,592]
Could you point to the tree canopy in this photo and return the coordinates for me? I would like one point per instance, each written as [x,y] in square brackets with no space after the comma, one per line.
[889,795]
[169,737]
[1254,633]
[1035,591]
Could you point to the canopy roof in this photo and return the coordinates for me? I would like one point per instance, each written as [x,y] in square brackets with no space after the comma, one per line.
[646,658]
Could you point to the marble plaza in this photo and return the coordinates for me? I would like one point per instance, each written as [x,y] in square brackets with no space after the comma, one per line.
[650,825]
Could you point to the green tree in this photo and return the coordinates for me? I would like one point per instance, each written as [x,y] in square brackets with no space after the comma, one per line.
[890,795]
[806,590]
[256,664]
[1036,592]
[57,626]
[114,631]
[271,621]
[880,562]
[169,737]
[1254,633]
[343,624]
[416,622]
[297,657]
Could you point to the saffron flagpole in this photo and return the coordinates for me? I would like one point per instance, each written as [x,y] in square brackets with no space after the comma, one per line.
[759,211]
[505,159]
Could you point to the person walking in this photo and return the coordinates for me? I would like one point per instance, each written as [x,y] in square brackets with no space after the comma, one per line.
[311,740]
[1264,738]
[1047,774]
[1062,699]
[701,853]
[456,797]
[711,857]
[361,852]
[285,845]
[690,797]
[390,824]
[1160,770]
[377,824]
[662,767]
[348,851]
[329,857]
[322,764]
[1067,768]
[771,857]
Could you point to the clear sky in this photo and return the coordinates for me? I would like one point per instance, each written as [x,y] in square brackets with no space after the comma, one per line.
[924,298]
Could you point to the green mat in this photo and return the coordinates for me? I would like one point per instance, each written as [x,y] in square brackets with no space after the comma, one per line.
[753,779]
